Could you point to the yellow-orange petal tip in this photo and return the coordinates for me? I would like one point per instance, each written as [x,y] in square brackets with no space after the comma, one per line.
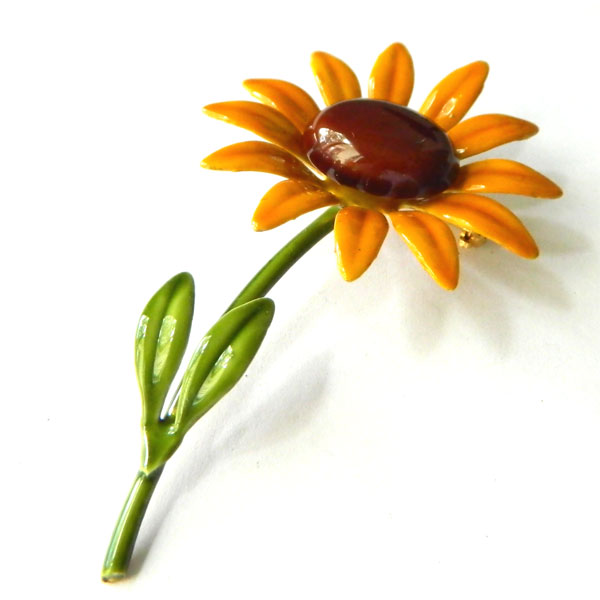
[557,191]
[532,252]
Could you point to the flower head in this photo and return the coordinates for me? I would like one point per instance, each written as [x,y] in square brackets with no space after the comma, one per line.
[383,162]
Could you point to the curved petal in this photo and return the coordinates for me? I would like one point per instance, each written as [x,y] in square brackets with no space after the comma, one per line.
[359,233]
[501,176]
[452,97]
[432,242]
[336,80]
[286,201]
[485,132]
[393,75]
[257,156]
[289,99]
[484,216]
[262,120]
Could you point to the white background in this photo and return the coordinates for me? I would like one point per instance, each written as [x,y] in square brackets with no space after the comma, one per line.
[391,440]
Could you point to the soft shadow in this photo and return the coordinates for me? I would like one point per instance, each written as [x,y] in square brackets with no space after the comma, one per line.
[284,412]
[529,279]
[281,414]
[429,314]
[424,313]
[489,312]
[557,239]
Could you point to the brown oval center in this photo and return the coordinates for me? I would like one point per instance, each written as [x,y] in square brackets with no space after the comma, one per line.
[381,148]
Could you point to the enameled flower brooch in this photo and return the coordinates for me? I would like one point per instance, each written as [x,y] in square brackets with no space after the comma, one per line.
[373,162]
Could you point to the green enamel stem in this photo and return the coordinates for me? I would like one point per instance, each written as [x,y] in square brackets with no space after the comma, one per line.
[274,270]
[126,530]
[127,527]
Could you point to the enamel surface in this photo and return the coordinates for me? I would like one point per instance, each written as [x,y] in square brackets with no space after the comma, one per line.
[484,132]
[287,200]
[502,176]
[262,120]
[257,156]
[451,98]
[381,148]
[432,242]
[486,217]
[393,75]
[335,79]
[359,234]
[290,100]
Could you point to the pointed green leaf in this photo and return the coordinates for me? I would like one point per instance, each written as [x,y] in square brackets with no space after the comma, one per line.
[221,359]
[160,342]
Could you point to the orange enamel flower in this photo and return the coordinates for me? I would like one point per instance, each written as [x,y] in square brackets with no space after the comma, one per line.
[383,162]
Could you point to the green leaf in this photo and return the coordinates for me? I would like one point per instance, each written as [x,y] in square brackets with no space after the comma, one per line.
[160,342]
[221,359]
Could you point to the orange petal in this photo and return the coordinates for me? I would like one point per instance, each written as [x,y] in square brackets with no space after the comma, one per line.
[485,132]
[359,233]
[393,75]
[432,242]
[335,78]
[452,97]
[290,100]
[286,201]
[501,176]
[262,120]
[484,216]
[257,156]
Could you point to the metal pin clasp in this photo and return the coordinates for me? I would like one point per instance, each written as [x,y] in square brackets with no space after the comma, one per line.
[470,239]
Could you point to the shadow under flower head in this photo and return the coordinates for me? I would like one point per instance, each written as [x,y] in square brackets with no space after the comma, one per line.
[383,162]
